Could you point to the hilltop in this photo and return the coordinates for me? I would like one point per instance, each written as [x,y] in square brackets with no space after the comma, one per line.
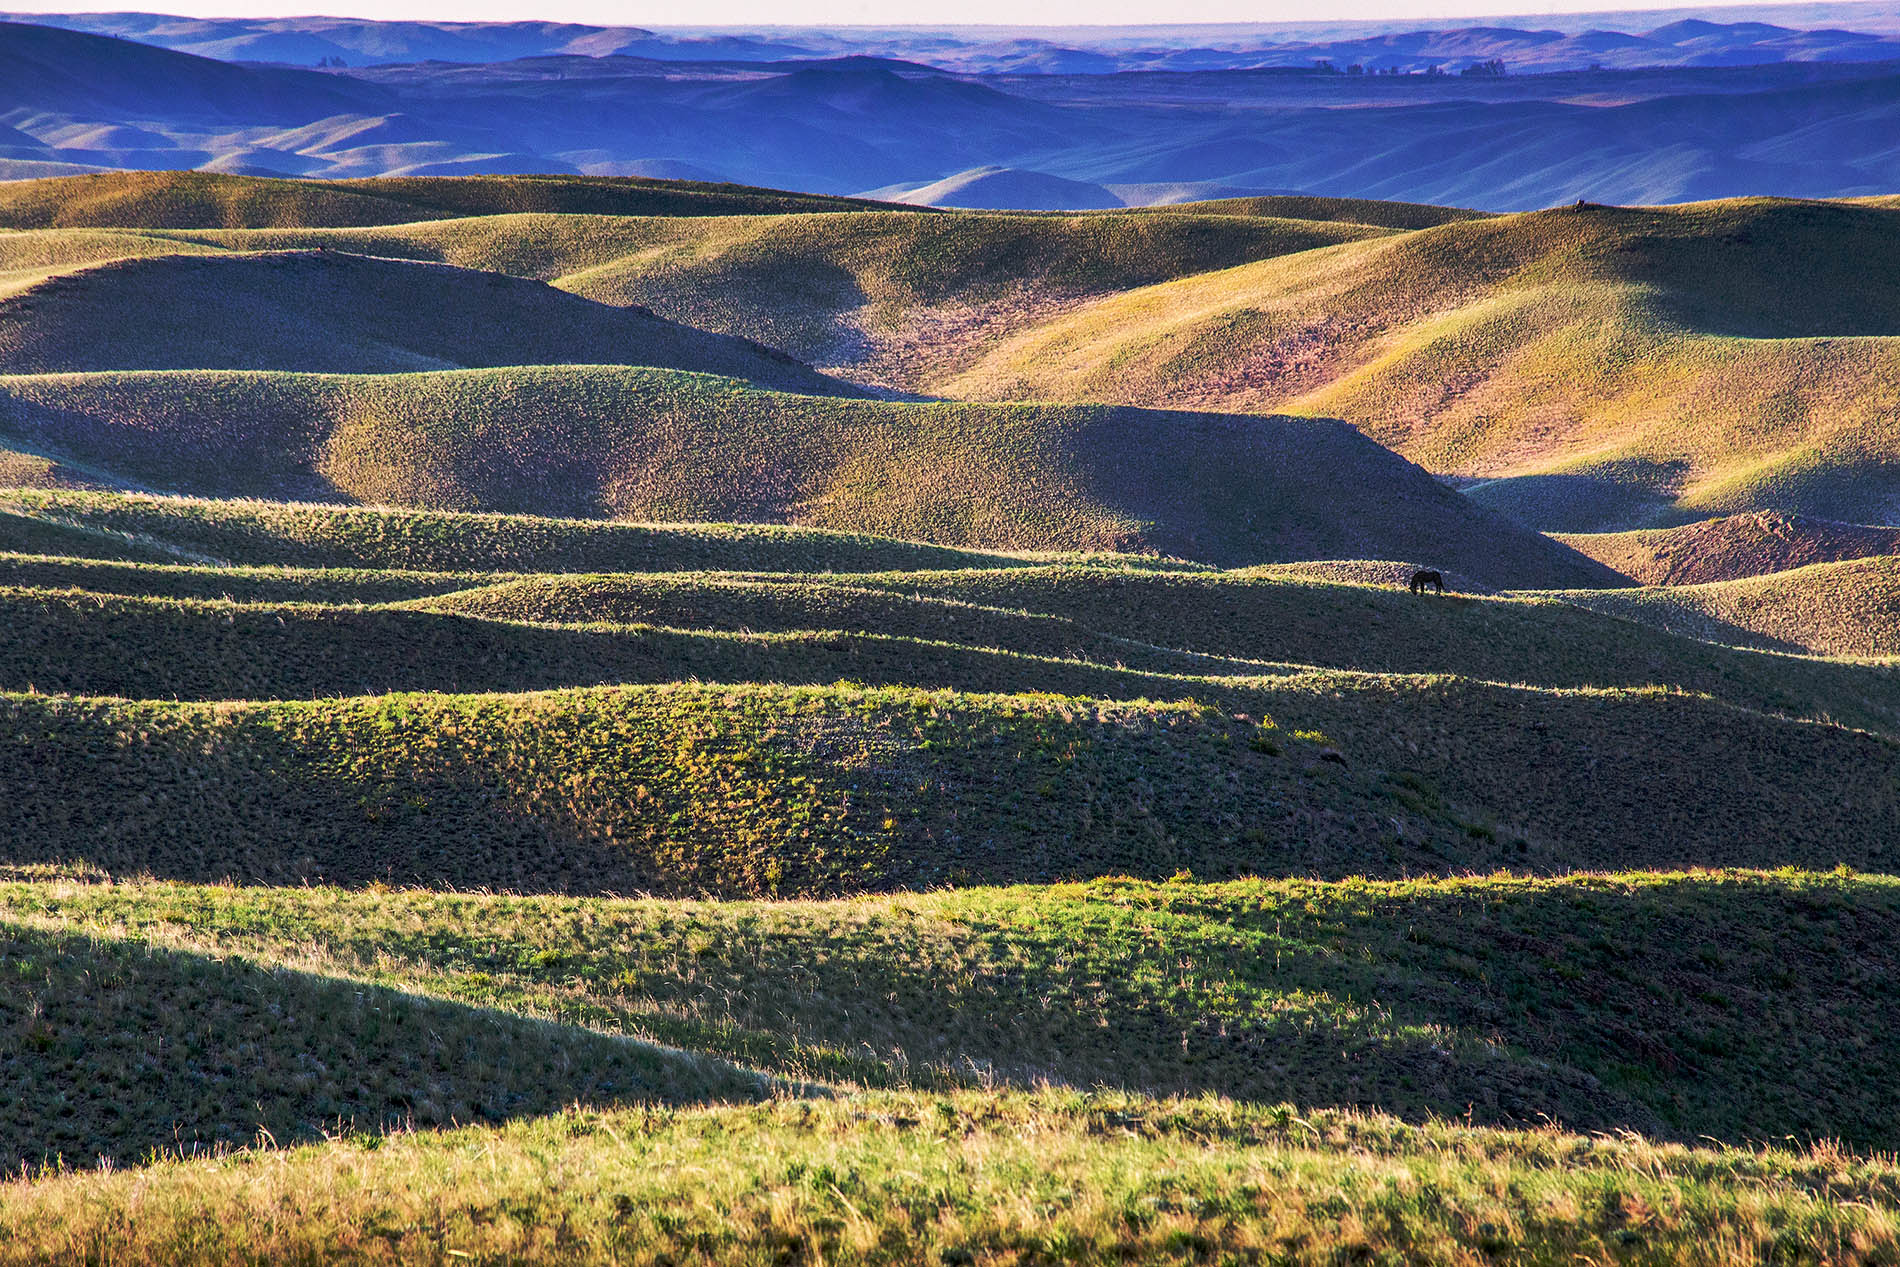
[1597,367]
[656,445]
[1004,188]
[888,296]
[1730,548]
[740,789]
[215,200]
[336,312]
[1837,609]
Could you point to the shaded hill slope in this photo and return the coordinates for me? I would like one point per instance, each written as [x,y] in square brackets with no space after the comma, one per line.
[906,297]
[1850,608]
[1600,366]
[270,635]
[269,534]
[1731,548]
[333,311]
[654,445]
[1094,984]
[895,297]
[209,200]
[763,789]
[100,78]
[114,1029]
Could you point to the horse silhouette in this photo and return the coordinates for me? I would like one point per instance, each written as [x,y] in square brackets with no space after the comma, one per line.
[1424,577]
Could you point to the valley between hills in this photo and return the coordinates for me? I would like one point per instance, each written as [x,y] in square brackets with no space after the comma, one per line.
[585,719]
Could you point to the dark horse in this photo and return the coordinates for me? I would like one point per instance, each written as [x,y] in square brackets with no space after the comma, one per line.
[1424,577]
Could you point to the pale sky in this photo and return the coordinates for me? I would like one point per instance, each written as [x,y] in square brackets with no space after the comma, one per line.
[756,13]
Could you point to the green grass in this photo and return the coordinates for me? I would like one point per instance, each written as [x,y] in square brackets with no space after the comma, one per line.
[1007,900]
[650,444]
[125,1047]
[1843,609]
[266,585]
[275,534]
[1056,1178]
[749,789]
[221,633]
[1706,359]
[1660,1003]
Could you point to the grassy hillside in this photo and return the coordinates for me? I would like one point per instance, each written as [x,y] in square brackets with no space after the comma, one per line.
[281,643]
[600,811]
[1091,1178]
[206,200]
[336,312]
[1601,366]
[1731,548]
[909,300]
[121,1048]
[1383,214]
[651,445]
[1256,624]
[1841,609]
[887,296]
[169,578]
[1522,999]
[782,790]
[259,533]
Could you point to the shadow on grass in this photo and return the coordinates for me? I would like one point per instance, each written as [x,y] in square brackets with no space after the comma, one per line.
[1673,1005]
[116,1049]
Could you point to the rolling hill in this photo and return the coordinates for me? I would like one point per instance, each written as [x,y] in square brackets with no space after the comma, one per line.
[1730,548]
[334,312]
[886,296]
[1057,834]
[1837,609]
[1798,117]
[1596,367]
[211,200]
[657,445]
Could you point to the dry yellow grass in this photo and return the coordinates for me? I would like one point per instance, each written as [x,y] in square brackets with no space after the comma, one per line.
[1731,548]
[1602,366]
[1838,609]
